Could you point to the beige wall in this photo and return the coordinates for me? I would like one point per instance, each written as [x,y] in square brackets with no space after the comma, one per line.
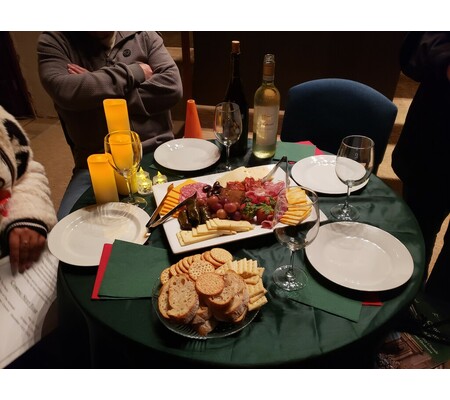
[25,46]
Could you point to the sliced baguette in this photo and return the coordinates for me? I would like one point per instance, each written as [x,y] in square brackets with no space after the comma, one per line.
[233,284]
[163,300]
[183,299]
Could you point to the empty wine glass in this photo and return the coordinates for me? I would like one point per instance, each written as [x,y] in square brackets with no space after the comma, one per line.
[354,164]
[125,150]
[296,227]
[227,126]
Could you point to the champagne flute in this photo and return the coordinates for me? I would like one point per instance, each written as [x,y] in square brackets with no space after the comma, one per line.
[354,164]
[295,233]
[125,150]
[227,126]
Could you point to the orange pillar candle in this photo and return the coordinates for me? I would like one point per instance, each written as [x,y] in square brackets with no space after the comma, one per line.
[116,113]
[102,178]
[192,128]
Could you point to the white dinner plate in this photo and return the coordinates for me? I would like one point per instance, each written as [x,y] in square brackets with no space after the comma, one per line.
[171,227]
[360,256]
[187,154]
[78,238]
[318,173]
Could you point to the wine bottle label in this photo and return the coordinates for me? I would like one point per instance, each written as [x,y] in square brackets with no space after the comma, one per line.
[266,124]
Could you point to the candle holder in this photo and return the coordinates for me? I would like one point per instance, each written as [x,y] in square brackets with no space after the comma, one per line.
[159,178]
[144,183]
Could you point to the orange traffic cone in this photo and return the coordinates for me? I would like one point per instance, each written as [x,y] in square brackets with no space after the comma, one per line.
[192,128]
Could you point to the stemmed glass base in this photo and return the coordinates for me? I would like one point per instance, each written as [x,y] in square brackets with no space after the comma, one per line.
[136,201]
[345,212]
[290,278]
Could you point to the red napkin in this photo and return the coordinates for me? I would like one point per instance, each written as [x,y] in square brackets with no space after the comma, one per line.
[318,152]
[107,247]
[372,299]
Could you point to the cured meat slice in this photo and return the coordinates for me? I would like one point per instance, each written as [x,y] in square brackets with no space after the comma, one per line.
[189,190]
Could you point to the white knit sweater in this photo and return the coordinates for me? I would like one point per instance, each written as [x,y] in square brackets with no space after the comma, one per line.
[24,190]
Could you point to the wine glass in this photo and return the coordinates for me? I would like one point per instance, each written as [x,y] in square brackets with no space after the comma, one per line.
[227,126]
[296,227]
[125,150]
[354,164]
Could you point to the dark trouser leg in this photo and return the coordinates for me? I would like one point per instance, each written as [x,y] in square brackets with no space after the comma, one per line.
[438,284]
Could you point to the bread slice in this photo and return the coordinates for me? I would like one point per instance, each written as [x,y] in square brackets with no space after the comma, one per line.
[233,285]
[237,308]
[206,327]
[163,300]
[183,299]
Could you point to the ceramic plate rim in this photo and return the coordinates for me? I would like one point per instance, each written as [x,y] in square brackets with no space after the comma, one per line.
[56,245]
[171,227]
[203,143]
[387,242]
[297,175]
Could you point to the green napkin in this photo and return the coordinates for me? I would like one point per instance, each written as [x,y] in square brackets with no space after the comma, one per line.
[132,270]
[315,295]
[293,151]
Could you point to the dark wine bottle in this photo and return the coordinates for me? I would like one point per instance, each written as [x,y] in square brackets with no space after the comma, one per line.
[235,93]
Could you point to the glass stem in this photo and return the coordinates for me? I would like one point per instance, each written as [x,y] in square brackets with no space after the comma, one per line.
[227,163]
[345,208]
[130,192]
[290,272]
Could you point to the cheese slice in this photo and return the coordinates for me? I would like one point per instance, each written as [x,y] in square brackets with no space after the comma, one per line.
[173,198]
[186,237]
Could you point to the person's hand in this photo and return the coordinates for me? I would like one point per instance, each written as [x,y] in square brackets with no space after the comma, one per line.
[25,247]
[148,72]
[76,69]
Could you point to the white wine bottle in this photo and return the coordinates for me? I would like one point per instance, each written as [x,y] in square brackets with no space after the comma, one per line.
[235,93]
[266,110]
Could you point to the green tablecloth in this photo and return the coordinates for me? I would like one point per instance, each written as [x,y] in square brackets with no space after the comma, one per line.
[285,332]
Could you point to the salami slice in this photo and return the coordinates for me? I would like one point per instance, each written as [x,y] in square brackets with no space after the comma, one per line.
[189,190]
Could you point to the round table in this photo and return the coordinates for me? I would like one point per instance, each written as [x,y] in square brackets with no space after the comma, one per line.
[284,333]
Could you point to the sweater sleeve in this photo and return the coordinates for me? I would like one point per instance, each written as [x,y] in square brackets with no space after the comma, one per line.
[85,91]
[164,89]
[30,204]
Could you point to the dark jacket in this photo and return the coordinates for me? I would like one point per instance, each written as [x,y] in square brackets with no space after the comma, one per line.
[422,152]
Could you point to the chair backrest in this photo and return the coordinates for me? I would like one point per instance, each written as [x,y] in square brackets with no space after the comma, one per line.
[326,110]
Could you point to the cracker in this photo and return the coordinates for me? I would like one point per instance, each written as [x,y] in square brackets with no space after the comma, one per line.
[207,256]
[200,267]
[165,275]
[221,255]
[209,284]
[173,269]
[185,263]
[257,304]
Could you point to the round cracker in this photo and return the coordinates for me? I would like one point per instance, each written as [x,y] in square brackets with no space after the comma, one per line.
[165,275]
[209,284]
[200,267]
[207,256]
[221,255]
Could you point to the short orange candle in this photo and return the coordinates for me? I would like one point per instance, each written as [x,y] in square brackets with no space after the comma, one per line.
[102,178]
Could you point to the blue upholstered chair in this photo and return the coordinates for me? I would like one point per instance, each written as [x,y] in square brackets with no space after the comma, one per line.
[326,110]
